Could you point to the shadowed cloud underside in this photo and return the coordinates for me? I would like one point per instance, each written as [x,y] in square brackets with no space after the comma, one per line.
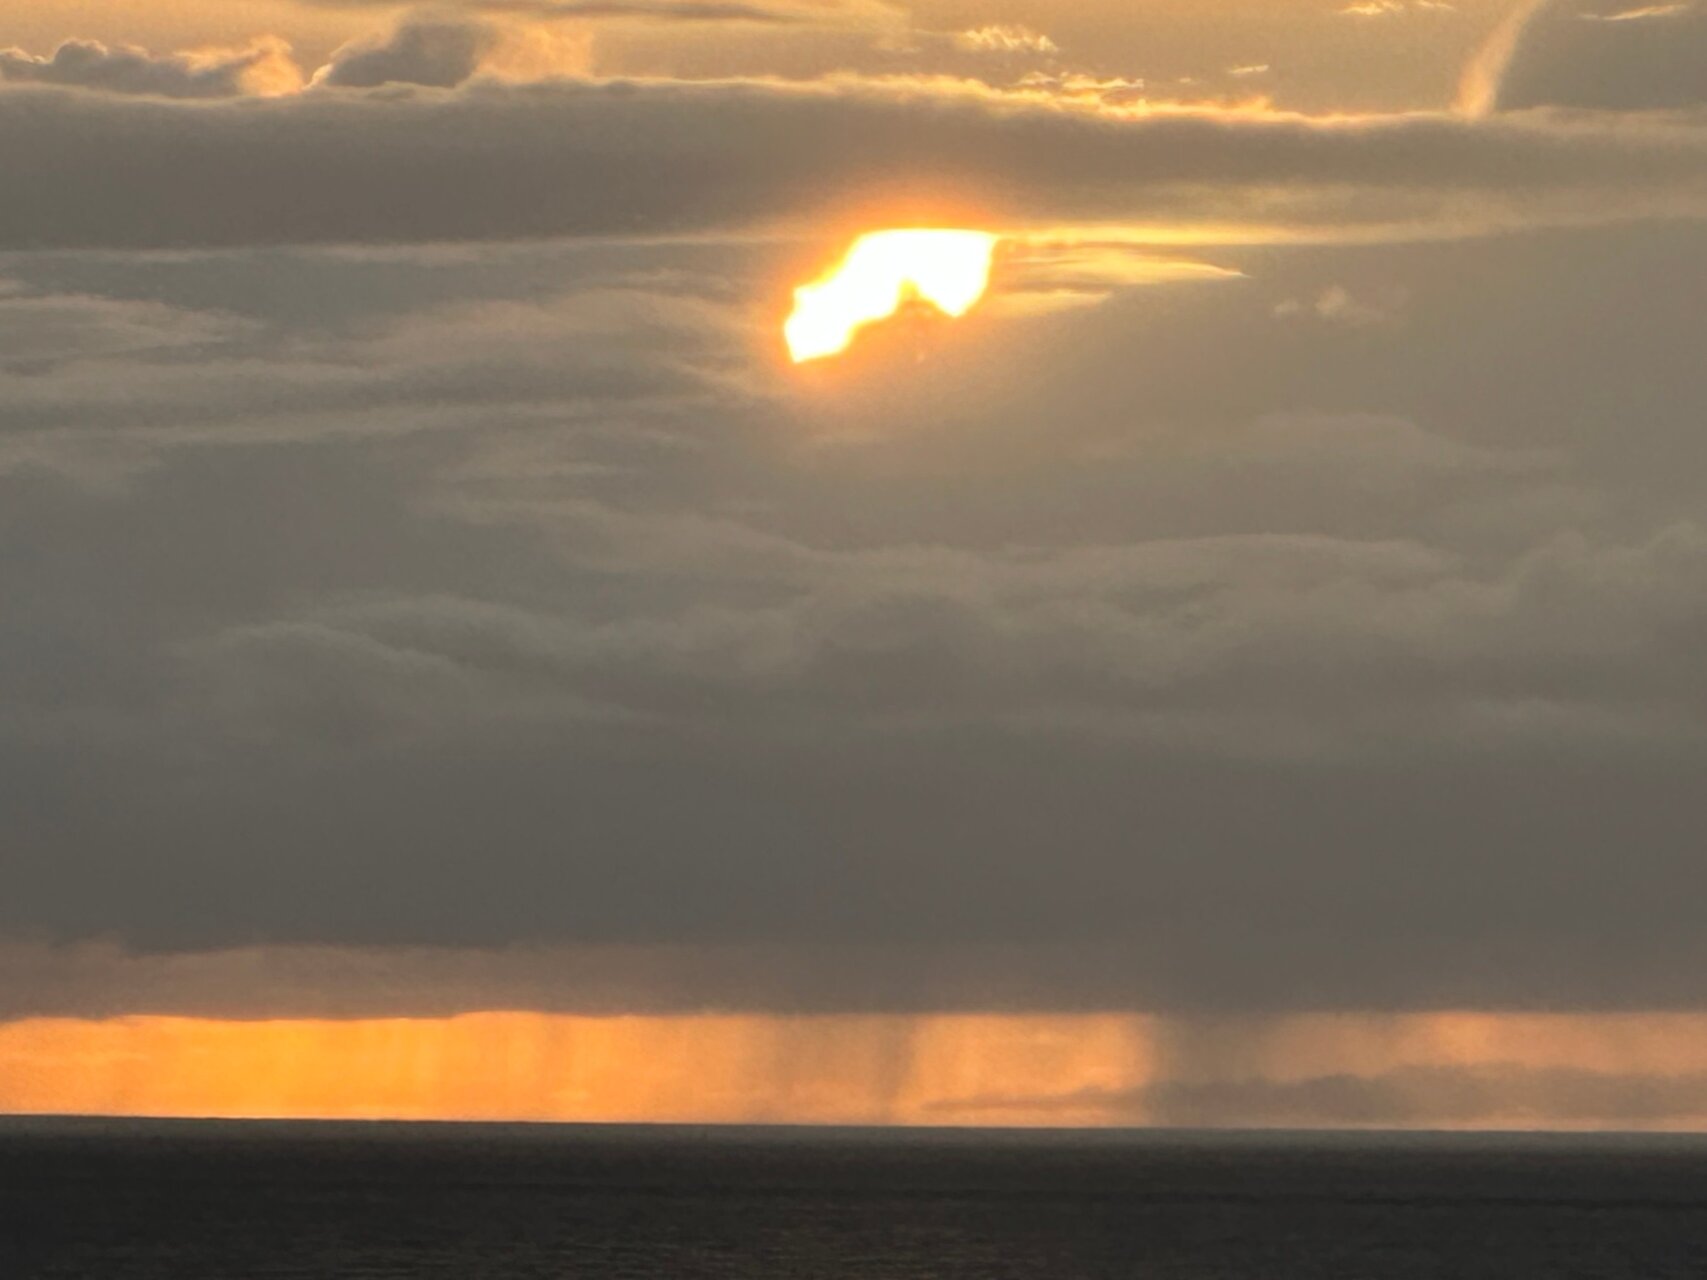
[433,585]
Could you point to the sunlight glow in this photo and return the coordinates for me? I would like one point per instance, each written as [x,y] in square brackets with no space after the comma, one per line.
[881,273]
[941,1069]
[1441,1070]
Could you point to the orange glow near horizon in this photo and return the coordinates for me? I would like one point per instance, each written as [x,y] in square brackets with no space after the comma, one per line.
[729,1069]
[883,271]
[1079,1070]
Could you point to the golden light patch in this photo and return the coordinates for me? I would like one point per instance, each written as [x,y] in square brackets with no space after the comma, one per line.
[1445,1070]
[883,271]
[944,1069]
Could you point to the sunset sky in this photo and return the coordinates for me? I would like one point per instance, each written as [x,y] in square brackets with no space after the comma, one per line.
[1246,670]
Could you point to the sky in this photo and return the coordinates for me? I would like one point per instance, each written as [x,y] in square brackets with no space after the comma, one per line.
[1245,671]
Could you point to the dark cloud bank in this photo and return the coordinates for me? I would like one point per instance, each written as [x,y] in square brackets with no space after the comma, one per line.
[574,158]
[1325,639]
[478,599]
[1609,56]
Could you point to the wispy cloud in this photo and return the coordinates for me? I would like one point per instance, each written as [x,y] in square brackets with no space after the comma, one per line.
[1396,8]
[1007,39]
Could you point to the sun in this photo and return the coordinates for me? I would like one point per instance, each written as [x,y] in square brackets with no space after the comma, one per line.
[884,270]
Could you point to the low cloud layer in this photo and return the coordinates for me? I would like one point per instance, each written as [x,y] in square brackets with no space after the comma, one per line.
[429,588]
[436,52]
[264,68]
[1225,643]
[1439,1097]
[1610,56]
[503,163]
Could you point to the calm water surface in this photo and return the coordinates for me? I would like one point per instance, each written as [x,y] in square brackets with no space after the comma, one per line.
[171,1201]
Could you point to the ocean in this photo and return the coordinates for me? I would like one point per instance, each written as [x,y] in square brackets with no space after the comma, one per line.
[221,1201]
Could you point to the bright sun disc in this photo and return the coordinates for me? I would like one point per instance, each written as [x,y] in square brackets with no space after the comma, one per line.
[948,269]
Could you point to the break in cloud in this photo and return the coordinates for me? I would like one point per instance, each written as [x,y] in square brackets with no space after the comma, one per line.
[429,592]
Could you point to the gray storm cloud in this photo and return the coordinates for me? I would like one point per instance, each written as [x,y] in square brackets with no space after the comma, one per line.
[469,596]
[455,622]
[570,158]
[1438,1096]
[1612,55]
[438,51]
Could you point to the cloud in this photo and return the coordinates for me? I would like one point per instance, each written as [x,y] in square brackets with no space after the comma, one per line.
[1338,305]
[1396,8]
[1043,275]
[524,577]
[885,1033]
[439,52]
[925,637]
[782,13]
[497,162]
[1006,40]
[682,11]
[263,68]
[1491,1096]
[1609,57]
[102,979]
[37,333]
[1642,13]
[108,375]
[1078,86]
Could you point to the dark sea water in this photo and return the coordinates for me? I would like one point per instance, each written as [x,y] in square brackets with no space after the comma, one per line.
[187,1201]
